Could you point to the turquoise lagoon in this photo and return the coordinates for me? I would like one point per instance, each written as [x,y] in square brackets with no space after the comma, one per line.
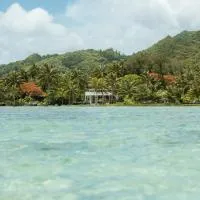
[100,153]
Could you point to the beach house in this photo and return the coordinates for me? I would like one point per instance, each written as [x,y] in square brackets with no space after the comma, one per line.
[99,97]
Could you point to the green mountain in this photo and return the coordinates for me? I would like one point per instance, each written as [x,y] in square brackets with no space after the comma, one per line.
[171,54]
[79,59]
[184,46]
[175,52]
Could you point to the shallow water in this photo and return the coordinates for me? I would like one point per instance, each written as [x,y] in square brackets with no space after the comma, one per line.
[93,153]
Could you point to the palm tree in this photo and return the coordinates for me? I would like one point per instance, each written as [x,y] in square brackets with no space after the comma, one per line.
[99,71]
[48,76]
[93,83]
[33,72]
[23,75]
[72,91]
[12,83]
[13,79]
[111,83]
[2,90]
[67,89]
[98,84]
[128,86]
[80,79]
[61,94]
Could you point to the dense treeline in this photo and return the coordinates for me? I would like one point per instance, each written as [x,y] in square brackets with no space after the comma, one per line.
[130,80]
[162,74]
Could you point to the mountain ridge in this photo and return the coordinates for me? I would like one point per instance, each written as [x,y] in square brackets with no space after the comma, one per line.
[79,58]
[183,47]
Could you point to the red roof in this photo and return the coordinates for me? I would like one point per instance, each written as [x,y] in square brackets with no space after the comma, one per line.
[168,78]
[31,89]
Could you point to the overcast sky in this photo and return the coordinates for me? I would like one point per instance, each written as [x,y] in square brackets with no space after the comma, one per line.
[49,26]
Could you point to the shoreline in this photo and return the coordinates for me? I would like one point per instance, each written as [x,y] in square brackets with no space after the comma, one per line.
[106,105]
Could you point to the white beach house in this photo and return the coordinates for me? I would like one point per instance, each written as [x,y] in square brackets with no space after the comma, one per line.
[99,97]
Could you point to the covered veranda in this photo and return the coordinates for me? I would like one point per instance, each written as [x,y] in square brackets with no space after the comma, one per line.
[98,97]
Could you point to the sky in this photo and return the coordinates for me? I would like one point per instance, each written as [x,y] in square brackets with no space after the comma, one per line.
[58,26]
[53,6]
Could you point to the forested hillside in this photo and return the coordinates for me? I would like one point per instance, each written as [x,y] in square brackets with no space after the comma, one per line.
[174,53]
[168,72]
[85,59]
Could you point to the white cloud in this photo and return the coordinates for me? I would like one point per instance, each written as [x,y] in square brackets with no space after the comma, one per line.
[25,32]
[126,25]
[131,25]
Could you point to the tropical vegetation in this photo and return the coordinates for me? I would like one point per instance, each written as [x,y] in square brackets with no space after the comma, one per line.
[168,73]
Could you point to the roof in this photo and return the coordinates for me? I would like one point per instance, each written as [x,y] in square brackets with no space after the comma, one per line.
[93,93]
[32,89]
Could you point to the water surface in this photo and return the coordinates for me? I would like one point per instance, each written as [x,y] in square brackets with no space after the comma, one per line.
[97,153]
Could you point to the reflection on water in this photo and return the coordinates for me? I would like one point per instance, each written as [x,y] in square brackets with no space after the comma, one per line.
[112,153]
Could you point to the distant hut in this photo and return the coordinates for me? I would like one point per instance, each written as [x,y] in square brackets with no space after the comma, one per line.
[99,97]
[31,89]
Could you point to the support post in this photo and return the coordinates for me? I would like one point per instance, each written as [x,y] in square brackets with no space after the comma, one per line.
[90,100]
